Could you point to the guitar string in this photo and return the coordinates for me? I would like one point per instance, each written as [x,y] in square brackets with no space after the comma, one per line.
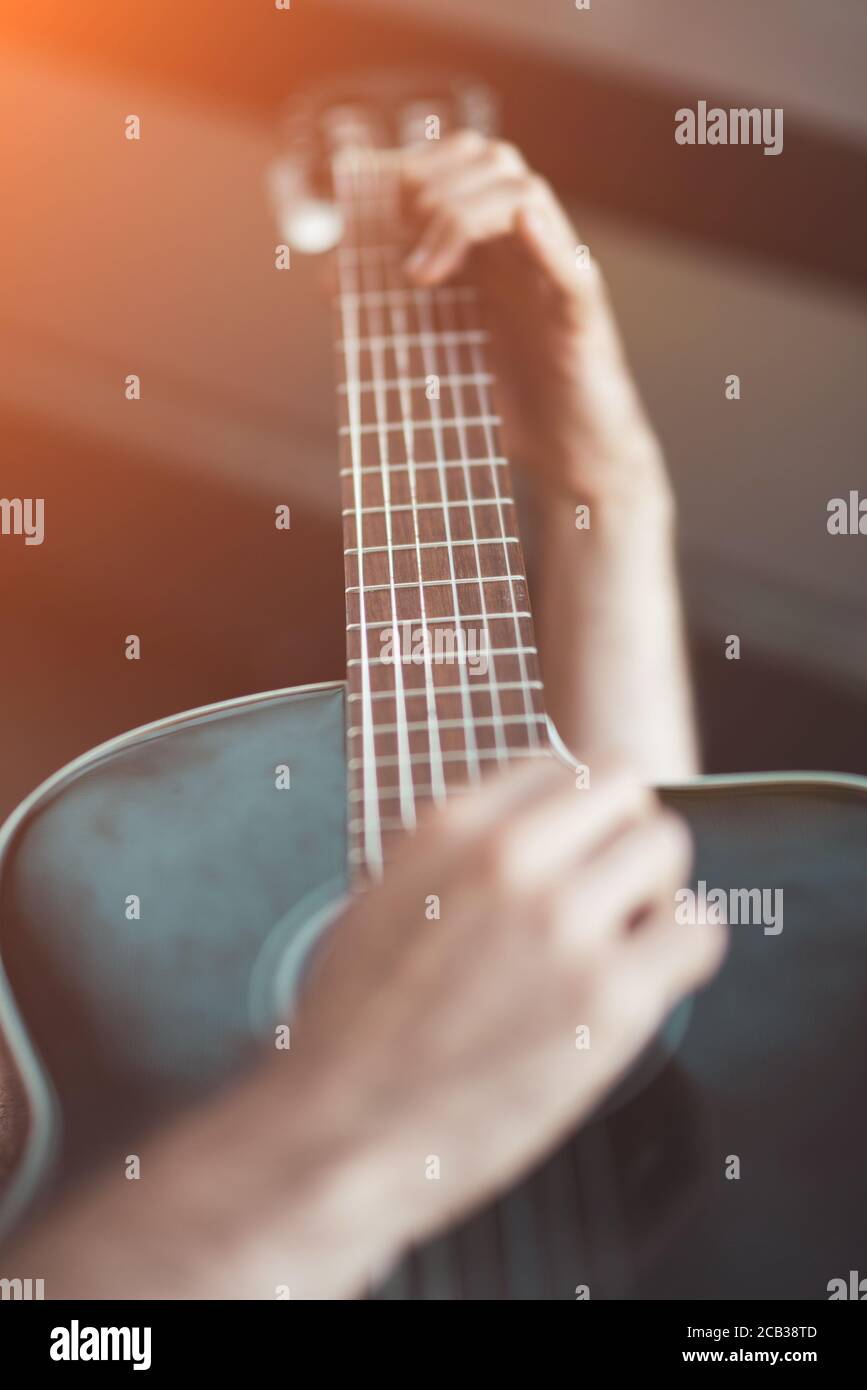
[453,363]
[372,835]
[426,337]
[396,298]
[366,224]
[452,313]
[397,319]
[396,294]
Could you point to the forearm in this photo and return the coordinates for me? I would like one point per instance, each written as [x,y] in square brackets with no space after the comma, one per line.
[269,1188]
[611,635]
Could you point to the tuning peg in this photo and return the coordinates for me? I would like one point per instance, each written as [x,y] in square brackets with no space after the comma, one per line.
[306,221]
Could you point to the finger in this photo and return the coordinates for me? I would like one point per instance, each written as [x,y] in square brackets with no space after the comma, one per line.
[474,208]
[670,959]
[521,831]
[552,243]
[490,213]
[440,253]
[635,873]
[500,793]
[520,822]
[456,832]
[551,836]
[430,159]
[442,187]
[460,199]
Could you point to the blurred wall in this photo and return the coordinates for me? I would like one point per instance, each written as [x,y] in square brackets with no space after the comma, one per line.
[157,258]
[805,55]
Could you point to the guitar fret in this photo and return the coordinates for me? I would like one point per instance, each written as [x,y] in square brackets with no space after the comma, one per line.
[392,340]
[429,506]
[386,298]
[517,720]
[389,661]
[425,467]
[430,545]
[452,690]
[386,823]
[432,584]
[422,790]
[449,756]
[393,426]
[416,383]
[465,617]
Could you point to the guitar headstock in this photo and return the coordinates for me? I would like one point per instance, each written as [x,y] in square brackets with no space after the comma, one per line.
[378,111]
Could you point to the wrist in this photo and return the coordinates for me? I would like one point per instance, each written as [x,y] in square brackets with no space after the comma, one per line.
[614,517]
[332,1183]
[622,488]
[280,1184]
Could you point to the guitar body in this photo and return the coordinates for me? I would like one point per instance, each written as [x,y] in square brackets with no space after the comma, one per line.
[118,1014]
[186,816]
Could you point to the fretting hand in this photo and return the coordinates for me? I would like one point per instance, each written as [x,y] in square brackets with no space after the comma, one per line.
[570,406]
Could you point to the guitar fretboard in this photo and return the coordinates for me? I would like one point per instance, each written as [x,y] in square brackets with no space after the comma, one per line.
[443,677]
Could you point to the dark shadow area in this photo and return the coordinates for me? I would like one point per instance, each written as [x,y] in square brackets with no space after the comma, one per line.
[224,603]
[757,716]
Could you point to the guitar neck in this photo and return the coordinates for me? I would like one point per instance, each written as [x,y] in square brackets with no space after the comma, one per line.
[443,676]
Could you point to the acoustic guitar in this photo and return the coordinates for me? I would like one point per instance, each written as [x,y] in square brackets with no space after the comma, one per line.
[159,895]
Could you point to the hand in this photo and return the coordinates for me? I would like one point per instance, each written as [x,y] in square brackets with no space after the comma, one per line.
[571,410]
[455,1035]
[416,1036]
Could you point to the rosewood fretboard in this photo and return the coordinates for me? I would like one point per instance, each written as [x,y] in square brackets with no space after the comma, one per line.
[443,678]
